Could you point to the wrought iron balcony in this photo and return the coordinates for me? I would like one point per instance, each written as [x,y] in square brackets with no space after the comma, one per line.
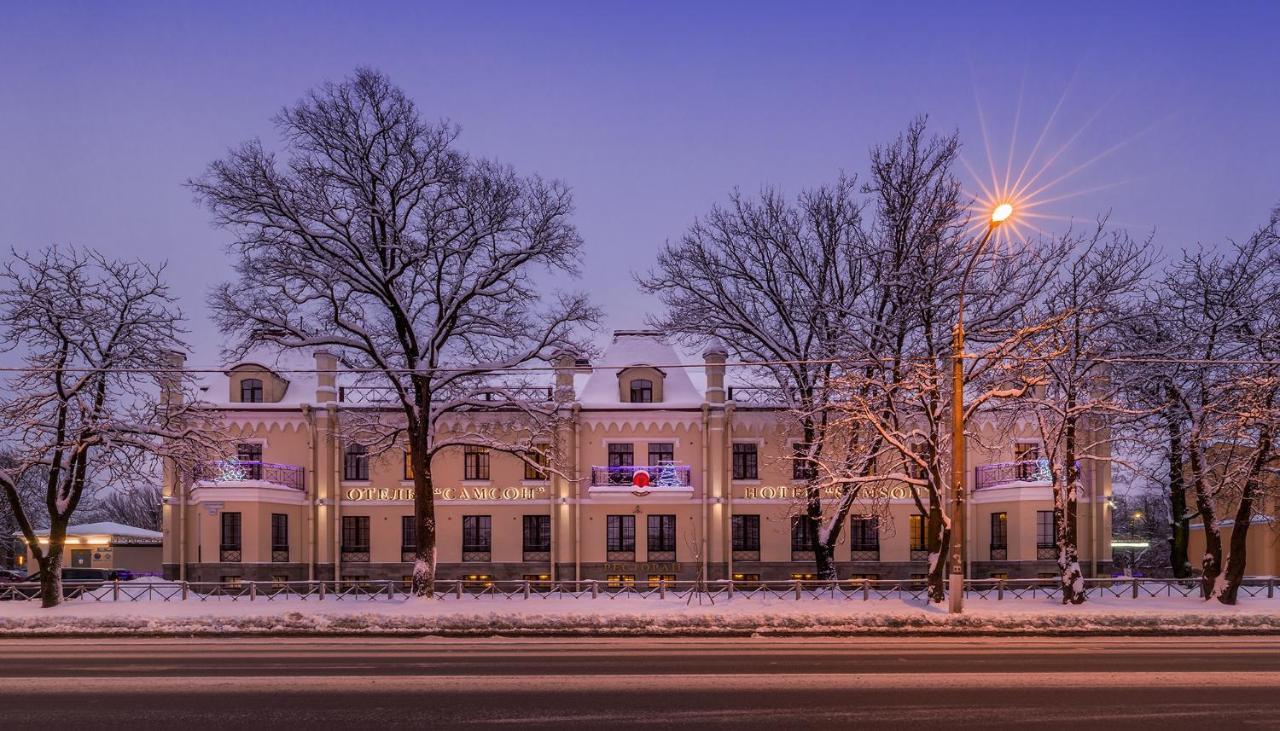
[233,470]
[675,476]
[1003,473]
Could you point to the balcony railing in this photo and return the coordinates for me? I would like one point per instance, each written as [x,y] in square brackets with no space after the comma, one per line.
[1003,473]
[232,470]
[386,395]
[660,476]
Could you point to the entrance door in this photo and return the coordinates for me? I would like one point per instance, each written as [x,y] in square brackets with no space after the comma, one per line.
[81,558]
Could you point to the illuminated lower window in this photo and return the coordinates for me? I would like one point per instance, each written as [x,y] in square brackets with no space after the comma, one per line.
[804,577]
[231,581]
[478,580]
[1000,574]
[747,578]
[865,577]
[617,581]
[655,578]
[279,581]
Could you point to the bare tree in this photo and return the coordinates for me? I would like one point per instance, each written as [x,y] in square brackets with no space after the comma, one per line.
[417,263]
[1080,396]
[776,281]
[135,505]
[1224,312]
[85,409]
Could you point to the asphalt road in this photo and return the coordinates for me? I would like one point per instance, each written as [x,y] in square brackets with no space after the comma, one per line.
[741,683]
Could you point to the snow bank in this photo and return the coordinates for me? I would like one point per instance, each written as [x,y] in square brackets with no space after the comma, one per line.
[638,616]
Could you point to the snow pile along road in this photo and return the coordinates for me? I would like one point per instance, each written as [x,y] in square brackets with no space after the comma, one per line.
[638,616]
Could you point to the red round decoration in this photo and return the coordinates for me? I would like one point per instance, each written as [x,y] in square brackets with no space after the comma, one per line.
[640,478]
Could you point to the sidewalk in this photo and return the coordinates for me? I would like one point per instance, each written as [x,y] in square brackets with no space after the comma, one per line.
[636,616]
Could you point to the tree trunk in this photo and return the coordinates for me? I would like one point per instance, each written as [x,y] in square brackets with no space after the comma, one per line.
[1180,524]
[51,577]
[1211,563]
[1230,586]
[424,518]
[939,548]
[1065,501]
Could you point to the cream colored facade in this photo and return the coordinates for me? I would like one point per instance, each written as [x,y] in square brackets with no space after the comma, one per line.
[301,495]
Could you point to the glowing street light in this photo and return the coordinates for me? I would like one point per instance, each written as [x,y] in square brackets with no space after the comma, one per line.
[959,458]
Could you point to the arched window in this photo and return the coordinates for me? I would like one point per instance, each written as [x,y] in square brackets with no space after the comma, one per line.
[355,463]
[251,391]
[641,391]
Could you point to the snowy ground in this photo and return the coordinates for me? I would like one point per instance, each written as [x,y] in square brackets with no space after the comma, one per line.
[637,616]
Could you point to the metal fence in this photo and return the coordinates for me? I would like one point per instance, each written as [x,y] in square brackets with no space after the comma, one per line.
[464,590]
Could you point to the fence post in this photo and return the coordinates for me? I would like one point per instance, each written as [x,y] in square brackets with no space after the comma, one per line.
[1271,587]
[321,591]
[595,588]
[730,588]
[797,590]
[1135,587]
[999,590]
[184,591]
[457,589]
[662,588]
[115,589]
[866,590]
[253,590]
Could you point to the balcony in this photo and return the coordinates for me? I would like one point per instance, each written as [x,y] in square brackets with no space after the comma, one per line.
[667,478]
[237,471]
[1005,473]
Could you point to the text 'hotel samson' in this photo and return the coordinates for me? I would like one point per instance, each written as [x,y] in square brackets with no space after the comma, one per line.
[301,502]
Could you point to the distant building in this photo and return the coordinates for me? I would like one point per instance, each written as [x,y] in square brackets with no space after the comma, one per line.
[302,502]
[106,546]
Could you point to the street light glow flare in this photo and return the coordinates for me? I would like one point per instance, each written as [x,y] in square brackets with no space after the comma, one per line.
[1002,212]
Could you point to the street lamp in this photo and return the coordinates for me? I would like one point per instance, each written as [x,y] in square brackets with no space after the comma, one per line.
[955,584]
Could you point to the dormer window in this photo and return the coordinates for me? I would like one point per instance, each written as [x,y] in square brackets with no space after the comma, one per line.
[641,391]
[251,391]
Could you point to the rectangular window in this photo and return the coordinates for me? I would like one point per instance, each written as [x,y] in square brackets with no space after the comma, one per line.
[477,533]
[662,532]
[251,391]
[660,452]
[249,455]
[746,462]
[1044,529]
[617,581]
[408,534]
[999,530]
[475,464]
[801,467]
[408,465]
[536,467]
[801,538]
[355,533]
[746,532]
[231,531]
[917,526]
[750,578]
[656,579]
[620,533]
[1024,451]
[537,533]
[621,455]
[641,391]
[279,532]
[864,534]
[355,463]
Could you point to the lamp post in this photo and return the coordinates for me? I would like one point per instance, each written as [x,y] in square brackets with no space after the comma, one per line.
[959,461]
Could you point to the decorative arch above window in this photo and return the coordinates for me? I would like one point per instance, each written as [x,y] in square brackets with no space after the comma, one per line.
[640,384]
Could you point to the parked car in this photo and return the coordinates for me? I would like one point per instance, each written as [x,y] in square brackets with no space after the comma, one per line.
[8,576]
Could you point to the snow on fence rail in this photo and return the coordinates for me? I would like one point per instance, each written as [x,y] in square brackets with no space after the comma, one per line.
[464,590]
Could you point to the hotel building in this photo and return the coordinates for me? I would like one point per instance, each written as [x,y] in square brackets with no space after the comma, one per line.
[301,502]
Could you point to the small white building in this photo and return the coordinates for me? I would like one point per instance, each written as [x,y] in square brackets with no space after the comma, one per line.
[106,545]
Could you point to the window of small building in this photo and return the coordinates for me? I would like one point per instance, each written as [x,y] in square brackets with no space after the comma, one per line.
[662,533]
[999,530]
[801,536]
[251,390]
[802,467]
[917,526]
[536,533]
[864,533]
[641,391]
[1044,529]
[656,579]
[620,533]
[660,452]
[617,581]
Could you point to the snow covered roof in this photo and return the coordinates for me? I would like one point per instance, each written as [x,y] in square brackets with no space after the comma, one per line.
[294,366]
[630,348]
[108,528]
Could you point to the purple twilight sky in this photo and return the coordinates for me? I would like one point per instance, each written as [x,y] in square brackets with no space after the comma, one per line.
[651,112]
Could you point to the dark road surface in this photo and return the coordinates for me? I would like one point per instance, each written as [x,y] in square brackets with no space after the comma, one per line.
[924,682]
